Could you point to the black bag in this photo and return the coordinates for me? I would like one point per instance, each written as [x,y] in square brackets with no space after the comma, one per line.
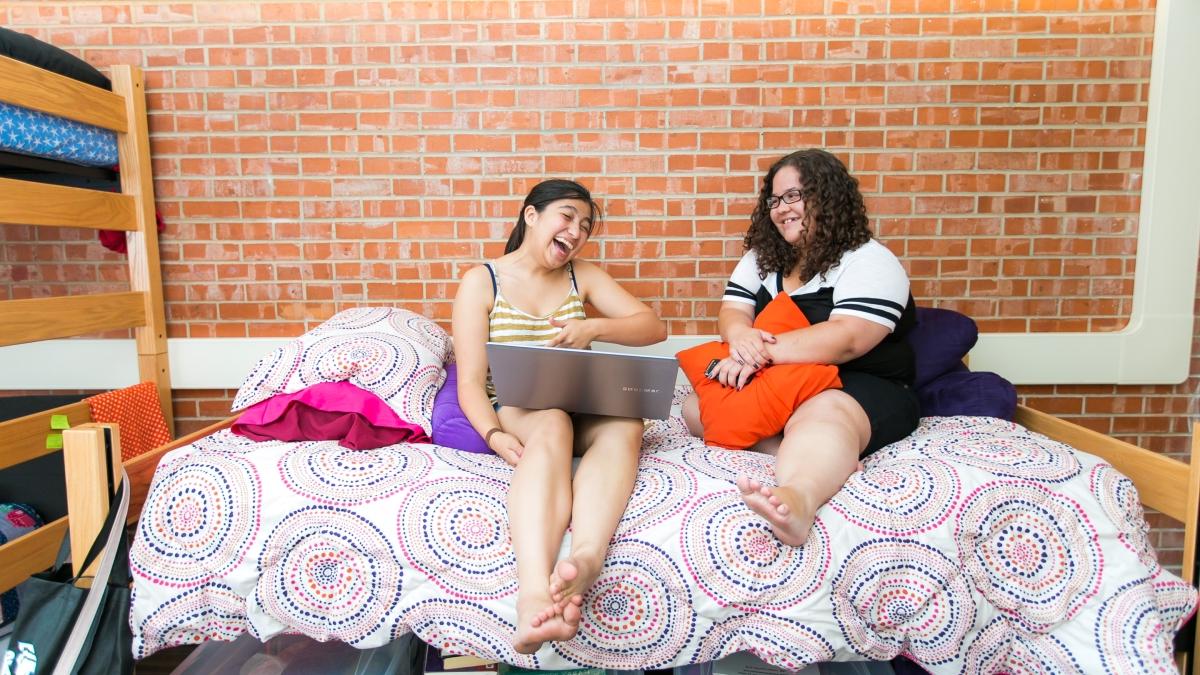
[67,630]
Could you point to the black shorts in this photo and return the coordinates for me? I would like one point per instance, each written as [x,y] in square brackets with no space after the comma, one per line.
[892,407]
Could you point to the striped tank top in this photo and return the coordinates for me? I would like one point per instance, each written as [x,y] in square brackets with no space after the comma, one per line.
[508,324]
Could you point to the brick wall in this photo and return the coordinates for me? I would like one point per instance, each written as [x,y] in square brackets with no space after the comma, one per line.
[314,156]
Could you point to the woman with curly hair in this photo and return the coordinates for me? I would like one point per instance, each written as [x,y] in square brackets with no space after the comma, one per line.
[809,238]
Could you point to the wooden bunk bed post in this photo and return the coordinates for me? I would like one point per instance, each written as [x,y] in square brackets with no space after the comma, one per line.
[133,147]
[1193,509]
[92,467]
[1189,539]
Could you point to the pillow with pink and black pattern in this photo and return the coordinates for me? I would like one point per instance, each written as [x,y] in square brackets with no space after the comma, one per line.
[396,354]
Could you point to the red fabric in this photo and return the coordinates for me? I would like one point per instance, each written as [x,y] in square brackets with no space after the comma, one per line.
[114,240]
[335,411]
[737,419]
[136,412]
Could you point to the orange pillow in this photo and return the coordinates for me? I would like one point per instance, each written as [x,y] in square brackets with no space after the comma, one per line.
[137,413]
[737,419]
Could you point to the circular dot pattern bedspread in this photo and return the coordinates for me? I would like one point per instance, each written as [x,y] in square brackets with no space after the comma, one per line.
[973,546]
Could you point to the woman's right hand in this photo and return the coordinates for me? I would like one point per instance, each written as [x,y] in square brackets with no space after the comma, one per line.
[507,447]
[748,346]
[730,373]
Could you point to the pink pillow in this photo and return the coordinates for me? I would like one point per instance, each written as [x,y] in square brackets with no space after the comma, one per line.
[333,411]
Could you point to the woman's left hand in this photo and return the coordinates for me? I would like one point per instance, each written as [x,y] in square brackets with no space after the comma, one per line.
[573,334]
[730,373]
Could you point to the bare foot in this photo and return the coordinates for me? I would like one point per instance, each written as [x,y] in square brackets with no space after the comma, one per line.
[572,577]
[783,509]
[539,620]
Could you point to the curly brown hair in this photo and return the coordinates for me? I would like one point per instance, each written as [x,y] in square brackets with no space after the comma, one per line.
[835,218]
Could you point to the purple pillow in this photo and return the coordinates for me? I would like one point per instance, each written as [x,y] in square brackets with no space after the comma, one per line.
[963,392]
[451,427]
[940,340]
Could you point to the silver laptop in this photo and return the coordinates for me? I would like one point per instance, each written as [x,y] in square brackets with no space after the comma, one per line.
[583,380]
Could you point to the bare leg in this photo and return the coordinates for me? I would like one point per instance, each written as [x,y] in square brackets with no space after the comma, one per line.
[770,446]
[820,448]
[691,415]
[603,482]
[539,504]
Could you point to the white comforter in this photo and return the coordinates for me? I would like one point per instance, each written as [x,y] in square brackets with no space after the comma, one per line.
[971,546]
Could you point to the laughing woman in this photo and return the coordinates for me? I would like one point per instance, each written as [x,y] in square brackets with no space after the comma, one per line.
[534,294]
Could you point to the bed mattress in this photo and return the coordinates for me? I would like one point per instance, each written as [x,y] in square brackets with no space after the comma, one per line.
[30,132]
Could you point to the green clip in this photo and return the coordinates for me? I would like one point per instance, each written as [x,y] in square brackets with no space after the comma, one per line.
[54,442]
[59,422]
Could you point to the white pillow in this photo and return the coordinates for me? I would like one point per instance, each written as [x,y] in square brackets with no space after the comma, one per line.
[396,354]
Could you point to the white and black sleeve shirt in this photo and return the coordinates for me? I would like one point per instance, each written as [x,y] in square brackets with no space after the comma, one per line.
[868,282]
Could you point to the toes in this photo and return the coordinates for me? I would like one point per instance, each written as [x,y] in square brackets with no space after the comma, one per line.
[743,485]
[566,570]
[572,614]
[783,510]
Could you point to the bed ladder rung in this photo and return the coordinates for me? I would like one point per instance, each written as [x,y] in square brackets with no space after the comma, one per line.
[33,319]
[32,87]
[25,202]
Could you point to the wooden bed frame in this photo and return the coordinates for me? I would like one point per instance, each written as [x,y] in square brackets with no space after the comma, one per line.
[122,110]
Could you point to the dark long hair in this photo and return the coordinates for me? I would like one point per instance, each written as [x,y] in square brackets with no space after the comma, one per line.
[542,195]
[835,218]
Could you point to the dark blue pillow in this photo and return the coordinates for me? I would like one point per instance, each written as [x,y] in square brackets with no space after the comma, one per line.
[33,51]
[940,340]
[963,392]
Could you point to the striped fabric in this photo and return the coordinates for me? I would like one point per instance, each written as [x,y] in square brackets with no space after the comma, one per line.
[508,324]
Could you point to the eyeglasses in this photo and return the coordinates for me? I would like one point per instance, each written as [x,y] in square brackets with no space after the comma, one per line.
[790,197]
